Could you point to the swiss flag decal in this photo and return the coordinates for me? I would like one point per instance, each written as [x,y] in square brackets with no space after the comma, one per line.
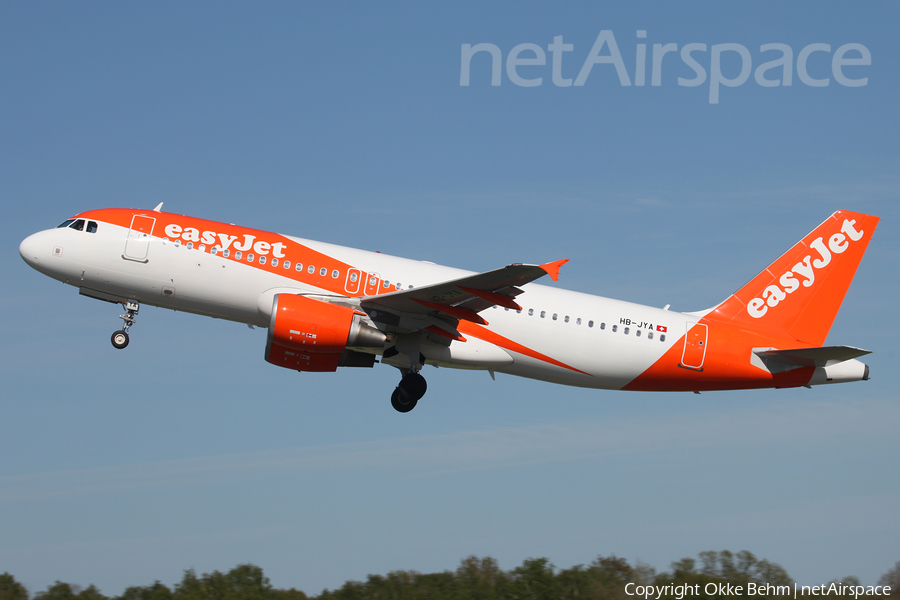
[661,328]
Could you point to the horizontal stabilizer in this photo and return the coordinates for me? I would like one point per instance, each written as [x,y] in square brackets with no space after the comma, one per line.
[824,356]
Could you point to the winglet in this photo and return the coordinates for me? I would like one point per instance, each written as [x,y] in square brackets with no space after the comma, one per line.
[552,268]
[158,207]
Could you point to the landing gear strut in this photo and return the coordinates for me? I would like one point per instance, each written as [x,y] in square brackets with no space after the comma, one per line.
[408,392]
[119,338]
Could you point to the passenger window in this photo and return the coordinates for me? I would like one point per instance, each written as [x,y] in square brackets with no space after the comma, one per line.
[311,269]
[238,255]
[78,225]
[190,245]
[662,337]
[214,250]
[591,324]
[335,274]
[615,328]
[353,277]
[578,321]
[530,312]
[250,257]
[554,316]
[262,260]
[602,325]
[92,227]
[299,267]
[566,319]
[543,314]
[649,335]
[226,252]
[323,271]
[287,264]
[637,333]
[65,223]
[274,262]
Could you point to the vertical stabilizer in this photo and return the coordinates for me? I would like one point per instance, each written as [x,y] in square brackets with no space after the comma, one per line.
[799,294]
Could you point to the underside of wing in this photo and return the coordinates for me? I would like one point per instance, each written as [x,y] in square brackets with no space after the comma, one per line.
[441,306]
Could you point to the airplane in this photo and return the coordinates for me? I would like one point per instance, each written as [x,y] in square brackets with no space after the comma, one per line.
[327,306]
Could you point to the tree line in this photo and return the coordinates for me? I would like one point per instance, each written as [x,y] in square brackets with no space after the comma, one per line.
[606,578]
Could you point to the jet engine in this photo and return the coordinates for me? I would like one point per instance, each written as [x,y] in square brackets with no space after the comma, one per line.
[310,335]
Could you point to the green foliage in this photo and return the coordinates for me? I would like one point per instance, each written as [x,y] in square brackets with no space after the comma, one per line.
[535,579]
[57,591]
[478,578]
[474,579]
[90,593]
[892,578]
[10,589]
[65,591]
[244,582]
[290,594]
[157,591]
[723,568]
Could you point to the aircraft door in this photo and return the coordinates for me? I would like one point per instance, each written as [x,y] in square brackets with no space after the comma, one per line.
[372,282]
[354,279]
[694,345]
[138,242]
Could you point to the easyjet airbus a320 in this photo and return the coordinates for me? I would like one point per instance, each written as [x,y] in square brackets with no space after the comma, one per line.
[327,306]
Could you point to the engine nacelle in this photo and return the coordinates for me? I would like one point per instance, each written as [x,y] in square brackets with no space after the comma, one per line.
[309,335]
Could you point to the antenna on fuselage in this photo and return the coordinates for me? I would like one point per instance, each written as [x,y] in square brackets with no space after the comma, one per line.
[158,207]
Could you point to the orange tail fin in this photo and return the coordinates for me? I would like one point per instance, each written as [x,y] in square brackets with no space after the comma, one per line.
[800,293]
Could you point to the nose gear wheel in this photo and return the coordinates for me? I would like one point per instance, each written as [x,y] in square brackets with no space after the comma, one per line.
[119,338]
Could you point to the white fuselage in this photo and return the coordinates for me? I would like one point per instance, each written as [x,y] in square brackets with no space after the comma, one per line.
[606,342]
[767,334]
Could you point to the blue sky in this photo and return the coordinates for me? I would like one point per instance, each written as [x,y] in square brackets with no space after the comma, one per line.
[347,123]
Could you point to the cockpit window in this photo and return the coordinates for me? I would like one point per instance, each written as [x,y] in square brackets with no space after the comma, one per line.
[78,225]
[65,223]
[92,227]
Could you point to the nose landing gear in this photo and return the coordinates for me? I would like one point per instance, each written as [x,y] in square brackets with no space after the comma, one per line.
[119,338]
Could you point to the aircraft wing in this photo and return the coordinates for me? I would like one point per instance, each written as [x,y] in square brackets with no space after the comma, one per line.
[824,356]
[444,304]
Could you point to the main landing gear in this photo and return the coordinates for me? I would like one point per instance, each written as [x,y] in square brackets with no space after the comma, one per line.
[412,386]
[408,392]
[119,338]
